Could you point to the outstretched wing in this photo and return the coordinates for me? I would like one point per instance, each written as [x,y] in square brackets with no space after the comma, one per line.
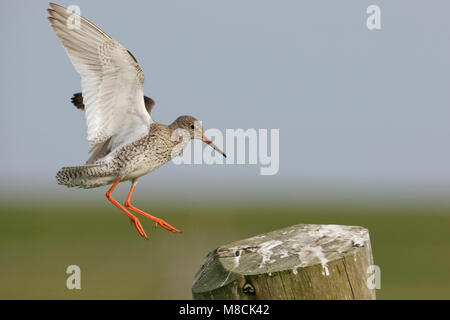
[111,79]
[77,101]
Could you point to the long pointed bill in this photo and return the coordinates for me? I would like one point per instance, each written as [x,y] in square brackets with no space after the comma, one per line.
[212,145]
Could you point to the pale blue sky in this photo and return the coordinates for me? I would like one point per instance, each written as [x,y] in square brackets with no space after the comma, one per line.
[354,107]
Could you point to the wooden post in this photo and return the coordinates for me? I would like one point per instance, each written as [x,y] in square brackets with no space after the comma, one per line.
[299,262]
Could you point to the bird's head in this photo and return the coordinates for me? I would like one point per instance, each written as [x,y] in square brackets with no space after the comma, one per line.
[195,130]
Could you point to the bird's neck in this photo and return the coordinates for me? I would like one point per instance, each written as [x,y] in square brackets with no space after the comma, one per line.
[178,137]
[173,126]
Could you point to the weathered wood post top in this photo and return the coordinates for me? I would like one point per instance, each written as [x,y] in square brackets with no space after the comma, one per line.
[299,262]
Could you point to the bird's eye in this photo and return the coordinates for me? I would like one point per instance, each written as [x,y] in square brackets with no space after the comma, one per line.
[192,126]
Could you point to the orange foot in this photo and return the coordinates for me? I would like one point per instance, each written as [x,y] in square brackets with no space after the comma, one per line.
[165,225]
[139,227]
[157,221]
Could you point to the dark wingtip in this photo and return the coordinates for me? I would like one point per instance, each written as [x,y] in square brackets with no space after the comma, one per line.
[77,100]
[149,104]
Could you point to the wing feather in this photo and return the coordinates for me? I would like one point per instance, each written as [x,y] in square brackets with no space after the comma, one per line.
[112,81]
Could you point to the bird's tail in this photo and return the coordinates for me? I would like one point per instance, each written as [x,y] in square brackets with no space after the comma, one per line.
[87,176]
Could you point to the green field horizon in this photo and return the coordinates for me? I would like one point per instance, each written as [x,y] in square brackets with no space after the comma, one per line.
[39,240]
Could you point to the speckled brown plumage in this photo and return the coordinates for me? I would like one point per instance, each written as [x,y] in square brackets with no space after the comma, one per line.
[132,160]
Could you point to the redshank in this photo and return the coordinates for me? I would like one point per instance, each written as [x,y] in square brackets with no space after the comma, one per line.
[125,142]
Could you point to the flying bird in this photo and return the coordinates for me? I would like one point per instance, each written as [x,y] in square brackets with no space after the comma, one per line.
[126,143]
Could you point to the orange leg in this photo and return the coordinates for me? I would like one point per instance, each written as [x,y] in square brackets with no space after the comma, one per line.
[157,221]
[134,220]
